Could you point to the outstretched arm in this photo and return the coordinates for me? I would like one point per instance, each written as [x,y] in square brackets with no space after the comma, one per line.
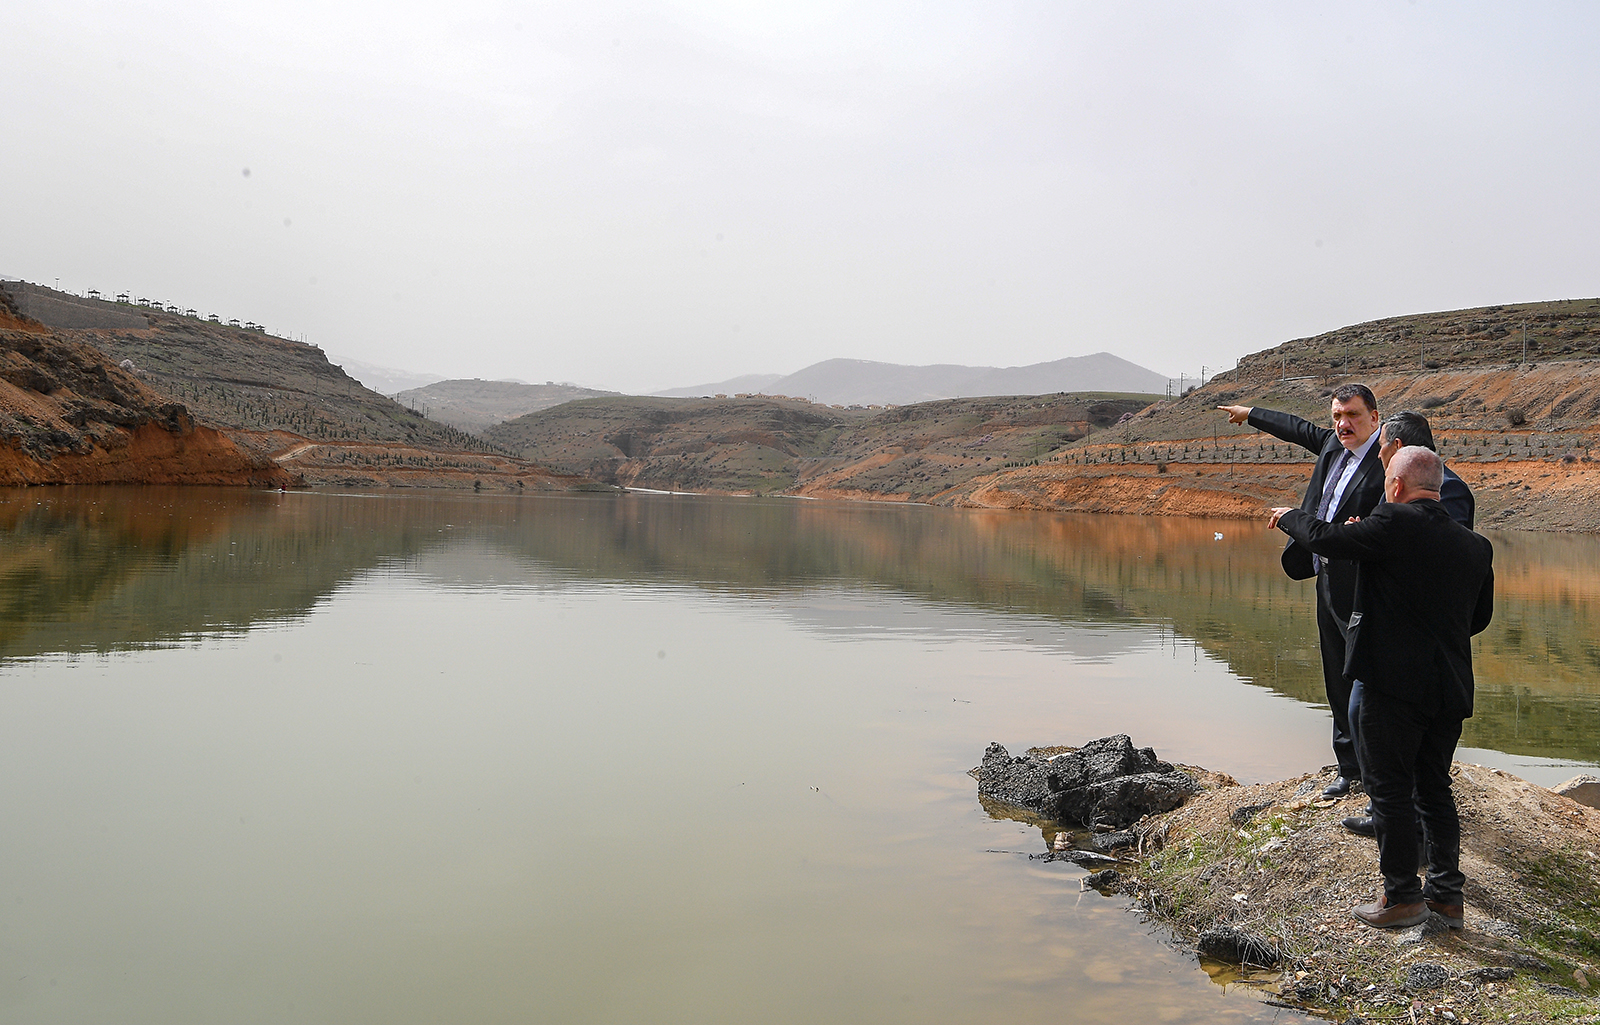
[1237,414]
[1363,540]
[1283,426]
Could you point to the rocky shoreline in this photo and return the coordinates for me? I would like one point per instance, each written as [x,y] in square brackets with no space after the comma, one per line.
[1263,876]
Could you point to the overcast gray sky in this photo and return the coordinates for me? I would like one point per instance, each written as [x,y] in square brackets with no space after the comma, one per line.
[639,196]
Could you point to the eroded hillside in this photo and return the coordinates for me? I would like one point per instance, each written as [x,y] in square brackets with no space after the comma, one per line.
[69,416]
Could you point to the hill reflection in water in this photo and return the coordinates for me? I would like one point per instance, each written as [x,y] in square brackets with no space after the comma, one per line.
[106,569]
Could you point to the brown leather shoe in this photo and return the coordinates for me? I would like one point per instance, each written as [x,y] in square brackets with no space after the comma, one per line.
[1382,915]
[1454,915]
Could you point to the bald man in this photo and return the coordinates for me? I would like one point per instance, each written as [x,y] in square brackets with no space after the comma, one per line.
[1398,430]
[1424,585]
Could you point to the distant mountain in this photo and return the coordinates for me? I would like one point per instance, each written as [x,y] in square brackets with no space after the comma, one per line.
[862,382]
[387,380]
[732,386]
[474,405]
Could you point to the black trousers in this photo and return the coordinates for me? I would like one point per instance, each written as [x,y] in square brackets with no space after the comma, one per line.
[1406,749]
[1330,634]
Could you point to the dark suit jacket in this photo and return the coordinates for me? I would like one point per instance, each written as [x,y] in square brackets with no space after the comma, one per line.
[1424,586]
[1457,498]
[1364,492]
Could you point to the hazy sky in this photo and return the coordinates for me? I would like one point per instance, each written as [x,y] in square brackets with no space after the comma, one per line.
[639,196]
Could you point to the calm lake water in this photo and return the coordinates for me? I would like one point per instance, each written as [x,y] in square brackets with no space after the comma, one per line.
[417,758]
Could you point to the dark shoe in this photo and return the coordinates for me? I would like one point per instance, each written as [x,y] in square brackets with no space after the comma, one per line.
[1454,915]
[1382,915]
[1338,788]
[1360,824]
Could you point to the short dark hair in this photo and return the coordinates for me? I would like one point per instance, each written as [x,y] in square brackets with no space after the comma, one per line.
[1346,392]
[1409,428]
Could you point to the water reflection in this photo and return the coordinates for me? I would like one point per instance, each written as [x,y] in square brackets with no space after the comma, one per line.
[596,758]
[106,569]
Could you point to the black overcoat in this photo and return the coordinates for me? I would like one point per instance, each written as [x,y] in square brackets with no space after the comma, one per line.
[1424,585]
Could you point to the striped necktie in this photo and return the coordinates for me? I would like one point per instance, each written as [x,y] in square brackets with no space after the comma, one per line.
[1331,487]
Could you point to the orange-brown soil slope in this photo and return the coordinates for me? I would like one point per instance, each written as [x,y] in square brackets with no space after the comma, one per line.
[68,416]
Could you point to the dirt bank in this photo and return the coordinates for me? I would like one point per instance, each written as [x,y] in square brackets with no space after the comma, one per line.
[69,416]
[368,465]
[147,454]
[1547,494]
[1272,863]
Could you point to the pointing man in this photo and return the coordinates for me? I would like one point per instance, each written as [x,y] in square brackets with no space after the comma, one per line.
[1346,481]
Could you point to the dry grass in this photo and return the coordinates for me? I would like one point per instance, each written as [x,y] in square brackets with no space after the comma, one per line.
[1289,874]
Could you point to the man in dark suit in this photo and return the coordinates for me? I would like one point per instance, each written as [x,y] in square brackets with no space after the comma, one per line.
[1346,481]
[1396,432]
[1424,586]
[1411,428]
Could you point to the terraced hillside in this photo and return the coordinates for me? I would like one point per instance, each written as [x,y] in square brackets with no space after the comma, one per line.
[759,445]
[70,416]
[282,399]
[1524,434]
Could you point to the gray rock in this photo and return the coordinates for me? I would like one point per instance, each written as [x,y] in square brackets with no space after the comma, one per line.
[1481,975]
[1244,813]
[1086,859]
[1431,927]
[1102,880]
[1019,781]
[1106,782]
[1105,843]
[1227,943]
[1311,786]
[1122,800]
[1504,930]
[1583,789]
[1406,937]
[1426,975]
[1561,991]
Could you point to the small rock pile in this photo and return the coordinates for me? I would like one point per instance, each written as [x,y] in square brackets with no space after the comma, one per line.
[1107,783]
